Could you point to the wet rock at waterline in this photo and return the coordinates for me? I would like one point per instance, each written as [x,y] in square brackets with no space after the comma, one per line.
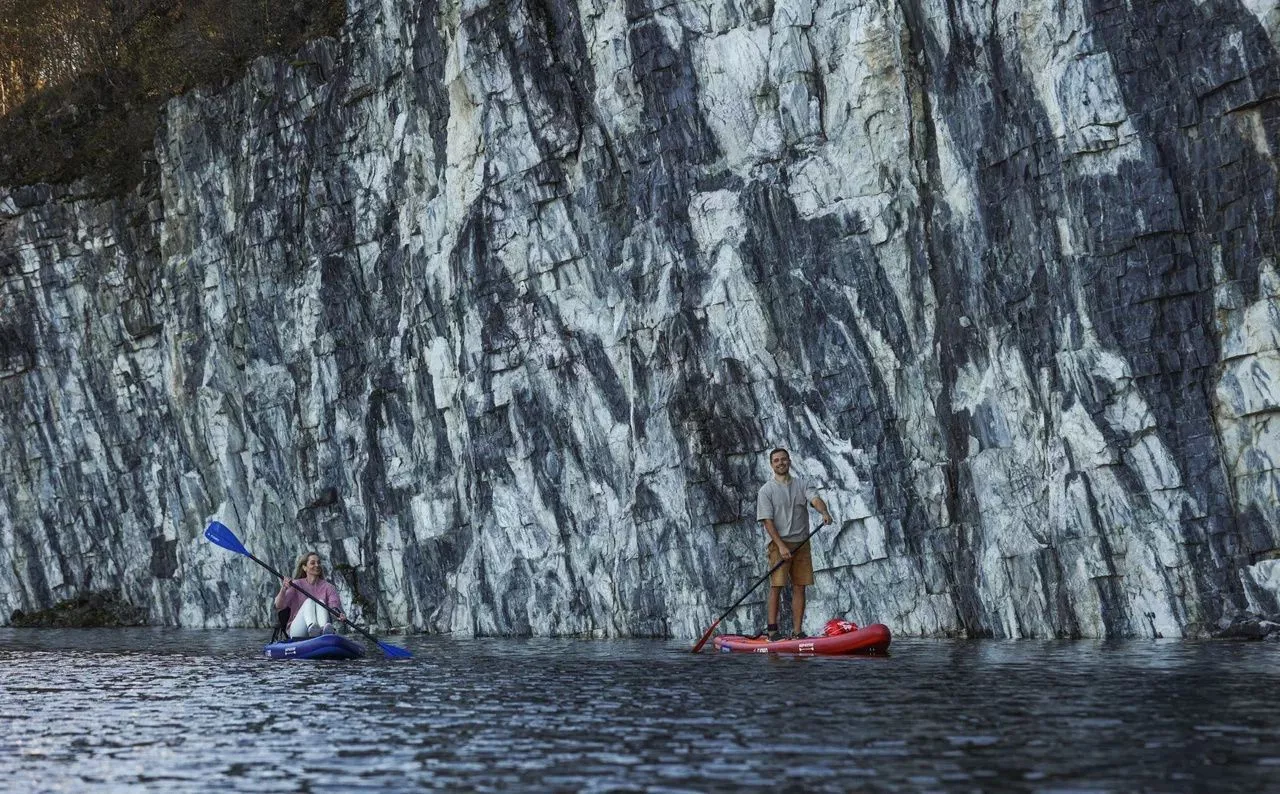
[91,610]
[500,307]
[1249,627]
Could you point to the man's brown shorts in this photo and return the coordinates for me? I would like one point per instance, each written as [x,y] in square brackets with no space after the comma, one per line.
[799,570]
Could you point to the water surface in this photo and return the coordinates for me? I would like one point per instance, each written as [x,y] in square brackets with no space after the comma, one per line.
[176,710]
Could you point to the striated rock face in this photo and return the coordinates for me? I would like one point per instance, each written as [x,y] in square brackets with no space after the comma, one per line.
[501,305]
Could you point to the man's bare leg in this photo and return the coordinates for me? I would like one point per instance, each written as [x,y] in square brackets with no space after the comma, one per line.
[775,598]
[797,608]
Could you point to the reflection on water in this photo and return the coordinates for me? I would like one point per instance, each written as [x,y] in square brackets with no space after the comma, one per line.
[164,710]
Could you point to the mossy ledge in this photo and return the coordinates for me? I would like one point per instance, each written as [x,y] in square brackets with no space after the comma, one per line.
[105,609]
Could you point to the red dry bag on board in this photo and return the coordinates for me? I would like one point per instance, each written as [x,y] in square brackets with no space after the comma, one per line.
[837,626]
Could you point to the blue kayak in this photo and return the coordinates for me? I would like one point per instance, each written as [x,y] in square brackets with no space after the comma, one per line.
[326,646]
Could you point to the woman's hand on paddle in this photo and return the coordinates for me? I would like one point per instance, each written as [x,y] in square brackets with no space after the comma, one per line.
[826,519]
[280,599]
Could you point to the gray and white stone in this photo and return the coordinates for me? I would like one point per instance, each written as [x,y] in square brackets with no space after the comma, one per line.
[500,307]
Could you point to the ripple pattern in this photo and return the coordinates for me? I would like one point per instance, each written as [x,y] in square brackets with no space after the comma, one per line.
[146,710]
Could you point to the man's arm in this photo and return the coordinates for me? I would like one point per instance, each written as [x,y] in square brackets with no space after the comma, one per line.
[764,514]
[783,549]
[822,508]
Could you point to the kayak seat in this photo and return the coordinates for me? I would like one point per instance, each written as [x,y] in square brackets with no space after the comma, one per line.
[281,631]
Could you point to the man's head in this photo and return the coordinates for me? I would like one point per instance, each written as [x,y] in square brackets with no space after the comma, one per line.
[780,461]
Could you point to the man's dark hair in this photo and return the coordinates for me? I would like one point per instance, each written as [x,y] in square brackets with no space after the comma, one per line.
[776,450]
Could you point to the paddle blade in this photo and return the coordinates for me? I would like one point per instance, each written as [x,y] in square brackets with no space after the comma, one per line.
[394,651]
[705,637]
[218,534]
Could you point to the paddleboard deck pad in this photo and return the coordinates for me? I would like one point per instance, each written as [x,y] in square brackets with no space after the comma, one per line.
[871,639]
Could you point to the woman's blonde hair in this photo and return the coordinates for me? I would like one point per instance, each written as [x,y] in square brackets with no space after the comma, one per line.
[300,572]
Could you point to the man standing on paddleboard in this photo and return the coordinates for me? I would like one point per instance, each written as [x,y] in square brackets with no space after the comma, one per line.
[783,506]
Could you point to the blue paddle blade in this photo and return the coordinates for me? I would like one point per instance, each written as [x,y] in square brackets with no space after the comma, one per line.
[394,651]
[218,534]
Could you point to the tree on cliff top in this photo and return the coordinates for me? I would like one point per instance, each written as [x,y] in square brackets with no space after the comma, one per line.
[81,81]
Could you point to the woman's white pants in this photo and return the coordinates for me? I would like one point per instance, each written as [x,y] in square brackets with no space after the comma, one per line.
[309,614]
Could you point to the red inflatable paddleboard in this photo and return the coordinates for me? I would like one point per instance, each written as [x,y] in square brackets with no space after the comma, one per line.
[871,639]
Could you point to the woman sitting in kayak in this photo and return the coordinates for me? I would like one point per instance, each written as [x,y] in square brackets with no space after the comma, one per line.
[306,617]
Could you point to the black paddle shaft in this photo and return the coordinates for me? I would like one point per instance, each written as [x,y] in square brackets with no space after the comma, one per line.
[751,590]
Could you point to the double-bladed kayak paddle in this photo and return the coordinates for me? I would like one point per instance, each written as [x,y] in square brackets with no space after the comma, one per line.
[220,535]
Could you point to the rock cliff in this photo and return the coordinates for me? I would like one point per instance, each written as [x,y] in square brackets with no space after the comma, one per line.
[500,305]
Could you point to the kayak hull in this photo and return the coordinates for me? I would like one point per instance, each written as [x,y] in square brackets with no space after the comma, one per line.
[871,639]
[326,646]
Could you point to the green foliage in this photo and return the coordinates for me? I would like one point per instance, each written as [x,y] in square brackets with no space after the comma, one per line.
[82,81]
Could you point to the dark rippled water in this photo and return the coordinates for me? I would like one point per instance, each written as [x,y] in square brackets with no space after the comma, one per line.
[163,710]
